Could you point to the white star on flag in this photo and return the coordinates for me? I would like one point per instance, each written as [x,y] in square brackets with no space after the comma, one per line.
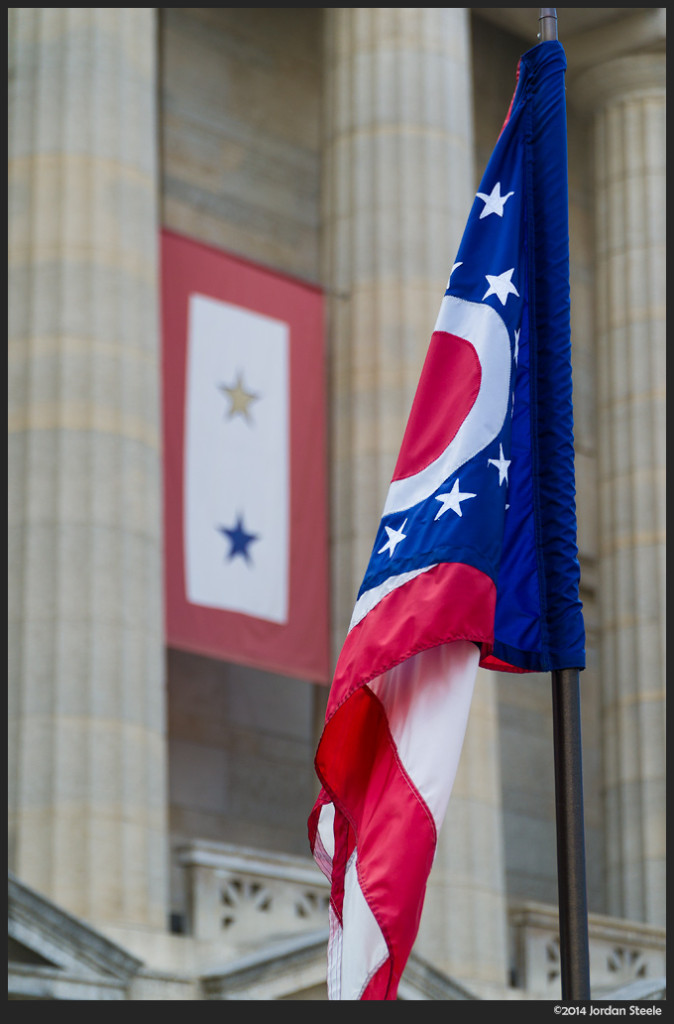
[501,285]
[502,466]
[494,202]
[517,346]
[394,538]
[452,500]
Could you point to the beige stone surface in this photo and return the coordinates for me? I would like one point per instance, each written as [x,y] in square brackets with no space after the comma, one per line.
[240,147]
[465,902]
[241,744]
[627,99]
[87,764]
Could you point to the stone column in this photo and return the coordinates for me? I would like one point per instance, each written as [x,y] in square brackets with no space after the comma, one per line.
[86,659]
[398,186]
[627,99]
[464,924]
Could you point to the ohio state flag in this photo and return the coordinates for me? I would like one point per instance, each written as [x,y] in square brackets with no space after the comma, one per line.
[244,467]
[475,560]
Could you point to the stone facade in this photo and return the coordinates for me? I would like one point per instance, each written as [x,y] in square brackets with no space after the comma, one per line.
[155,794]
[86,700]
[625,100]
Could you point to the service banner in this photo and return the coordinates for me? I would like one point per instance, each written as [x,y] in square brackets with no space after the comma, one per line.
[245,503]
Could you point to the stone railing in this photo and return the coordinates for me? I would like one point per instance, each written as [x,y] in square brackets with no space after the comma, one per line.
[239,896]
[621,952]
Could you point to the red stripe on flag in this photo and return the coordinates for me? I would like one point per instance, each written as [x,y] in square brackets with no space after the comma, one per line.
[512,101]
[358,763]
[379,984]
[412,618]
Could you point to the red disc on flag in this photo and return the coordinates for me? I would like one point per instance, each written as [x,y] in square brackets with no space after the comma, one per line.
[448,386]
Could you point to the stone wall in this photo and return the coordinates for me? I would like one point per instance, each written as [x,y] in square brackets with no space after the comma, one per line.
[240,136]
[240,93]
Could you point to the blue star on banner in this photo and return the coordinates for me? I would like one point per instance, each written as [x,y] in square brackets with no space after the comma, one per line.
[239,540]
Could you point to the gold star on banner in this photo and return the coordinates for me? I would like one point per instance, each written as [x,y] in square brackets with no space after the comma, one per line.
[239,398]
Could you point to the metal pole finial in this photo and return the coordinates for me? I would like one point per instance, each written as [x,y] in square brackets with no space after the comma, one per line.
[548,23]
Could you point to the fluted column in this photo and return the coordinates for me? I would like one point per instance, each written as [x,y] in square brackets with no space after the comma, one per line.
[86,659]
[627,97]
[398,182]
[464,923]
[398,186]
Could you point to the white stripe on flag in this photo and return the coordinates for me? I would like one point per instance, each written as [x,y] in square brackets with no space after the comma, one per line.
[334,972]
[236,460]
[427,700]
[325,838]
[364,948]
[371,598]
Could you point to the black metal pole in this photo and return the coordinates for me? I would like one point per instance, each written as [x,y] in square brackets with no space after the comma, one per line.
[571,881]
[548,23]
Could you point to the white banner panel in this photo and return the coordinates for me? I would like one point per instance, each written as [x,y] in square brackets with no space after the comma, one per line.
[236,460]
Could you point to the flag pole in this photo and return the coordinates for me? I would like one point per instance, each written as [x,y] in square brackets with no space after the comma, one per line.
[571,884]
[547,21]
[566,719]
